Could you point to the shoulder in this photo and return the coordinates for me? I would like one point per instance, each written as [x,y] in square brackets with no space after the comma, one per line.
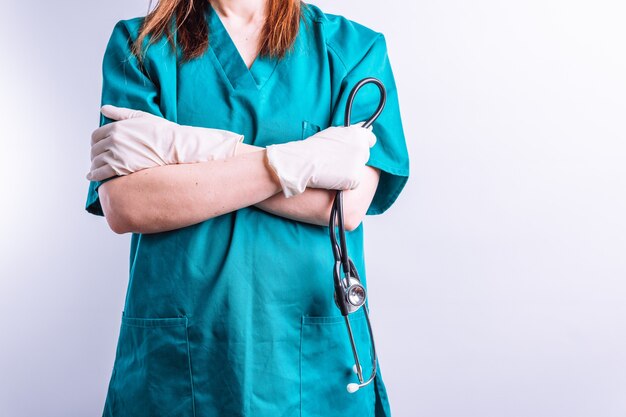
[122,39]
[123,36]
[128,28]
[347,39]
[126,31]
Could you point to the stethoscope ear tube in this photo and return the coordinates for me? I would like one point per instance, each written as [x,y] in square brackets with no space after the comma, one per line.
[381,103]
[350,294]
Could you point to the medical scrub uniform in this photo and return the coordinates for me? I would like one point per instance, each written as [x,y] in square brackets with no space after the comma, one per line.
[234,316]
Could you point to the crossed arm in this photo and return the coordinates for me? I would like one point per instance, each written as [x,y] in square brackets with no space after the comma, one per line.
[174,196]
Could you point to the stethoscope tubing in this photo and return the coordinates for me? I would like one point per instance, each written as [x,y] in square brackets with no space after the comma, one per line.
[340,250]
[355,90]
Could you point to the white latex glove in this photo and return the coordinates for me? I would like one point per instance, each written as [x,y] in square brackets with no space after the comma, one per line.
[332,159]
[138,140]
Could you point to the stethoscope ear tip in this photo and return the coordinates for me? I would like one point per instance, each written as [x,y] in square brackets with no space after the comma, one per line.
[352,388]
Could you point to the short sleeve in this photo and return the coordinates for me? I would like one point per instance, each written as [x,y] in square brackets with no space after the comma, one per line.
[390,153]
[125,83]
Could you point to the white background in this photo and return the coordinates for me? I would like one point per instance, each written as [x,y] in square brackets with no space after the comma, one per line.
[497,280]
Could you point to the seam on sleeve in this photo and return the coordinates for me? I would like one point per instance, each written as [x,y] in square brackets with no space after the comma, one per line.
[338,55]
[392,170]
[321,22]
[391,198]
[360,60]
[381,206]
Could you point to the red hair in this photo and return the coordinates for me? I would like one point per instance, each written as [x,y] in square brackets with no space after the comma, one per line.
[278,35]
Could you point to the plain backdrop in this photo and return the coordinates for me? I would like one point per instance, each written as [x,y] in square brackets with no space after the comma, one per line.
[497,280]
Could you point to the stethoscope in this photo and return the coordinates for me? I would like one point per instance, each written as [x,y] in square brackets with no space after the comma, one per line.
[350,294]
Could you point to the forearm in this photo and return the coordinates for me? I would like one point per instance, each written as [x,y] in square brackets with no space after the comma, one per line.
[174,196]
[312,206]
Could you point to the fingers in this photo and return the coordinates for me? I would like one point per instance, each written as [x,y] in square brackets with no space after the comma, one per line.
[103,172]
[371,137]
[101,159]
[121,113]
[121,117]
[101,133]
[100,153]
[100,147]
[102,166]
[360,124]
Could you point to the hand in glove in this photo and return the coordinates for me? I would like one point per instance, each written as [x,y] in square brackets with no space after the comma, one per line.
[138,140]
[332,159]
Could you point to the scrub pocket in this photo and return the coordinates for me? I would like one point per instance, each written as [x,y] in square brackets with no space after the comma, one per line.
[152,371]
[326,363]
[309,129]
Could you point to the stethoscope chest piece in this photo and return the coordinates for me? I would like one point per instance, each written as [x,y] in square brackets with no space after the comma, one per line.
[355,294]
[350,295]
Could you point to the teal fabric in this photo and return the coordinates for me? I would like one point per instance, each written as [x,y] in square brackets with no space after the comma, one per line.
[234,316]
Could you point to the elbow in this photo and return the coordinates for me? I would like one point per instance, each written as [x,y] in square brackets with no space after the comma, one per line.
[117,220]
[352,216]
[113,205]
[353,220]
[118,224]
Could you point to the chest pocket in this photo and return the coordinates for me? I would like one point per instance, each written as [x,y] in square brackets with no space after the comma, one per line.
[309,129]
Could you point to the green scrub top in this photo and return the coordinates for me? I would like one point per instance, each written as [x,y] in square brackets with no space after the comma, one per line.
[234,316]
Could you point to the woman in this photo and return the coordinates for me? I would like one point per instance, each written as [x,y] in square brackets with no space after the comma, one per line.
[216,151]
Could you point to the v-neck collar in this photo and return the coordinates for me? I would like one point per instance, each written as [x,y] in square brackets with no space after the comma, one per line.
[231,60]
